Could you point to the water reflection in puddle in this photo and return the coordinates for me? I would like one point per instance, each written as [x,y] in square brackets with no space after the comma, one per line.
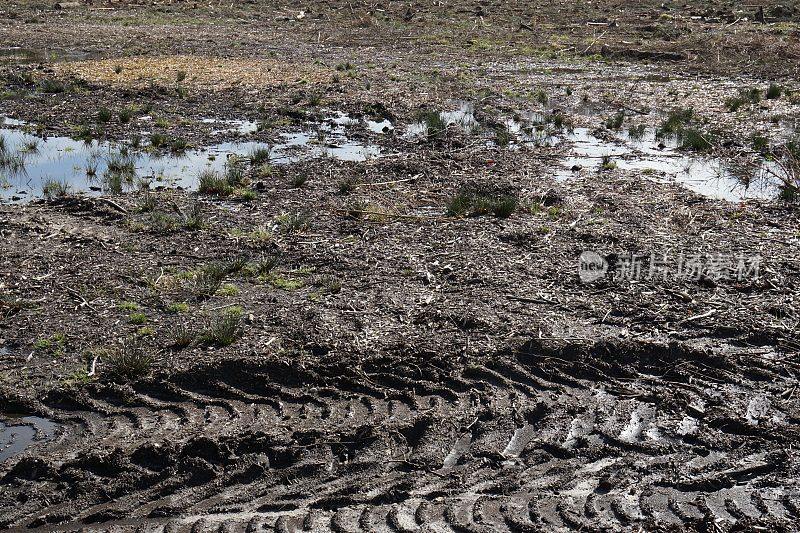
[31,162]
[463,117]
[17,433]
[382,126]
[240,127]
[654,159]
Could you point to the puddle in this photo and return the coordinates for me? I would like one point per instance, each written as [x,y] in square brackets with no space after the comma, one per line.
[17,433]
[8,121]
[84,166]
[383,126]
[241,127]
[531,129]
[463,117]
[656,160]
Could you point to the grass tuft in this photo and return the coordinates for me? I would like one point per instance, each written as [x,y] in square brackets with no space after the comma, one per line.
[468,202]
[53,189]
[774,91]
[615,122]
[213,182]
[224,329]
[128,362]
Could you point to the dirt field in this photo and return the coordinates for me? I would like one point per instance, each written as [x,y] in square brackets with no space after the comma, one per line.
[325,266]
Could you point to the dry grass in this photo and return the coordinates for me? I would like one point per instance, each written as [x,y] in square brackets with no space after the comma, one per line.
[206,73]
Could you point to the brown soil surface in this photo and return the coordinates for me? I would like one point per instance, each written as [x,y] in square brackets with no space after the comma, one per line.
[393,366]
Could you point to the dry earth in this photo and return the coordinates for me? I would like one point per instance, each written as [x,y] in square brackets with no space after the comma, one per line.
[334,345]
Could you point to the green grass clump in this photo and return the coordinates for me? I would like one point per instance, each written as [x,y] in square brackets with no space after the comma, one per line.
[104,115]
[137,318]
[347,185]
[158,140]
[181,337]
[606,163]
[10,161]
[259,156]
[228,289]
[260,267]
[213,182]
[789,193]
[178,307]
[503,137]
[636,133]
[676,120]
[695,140]
[435,125]
[246,195]
[126,363]
[51,86]
[128,306]
[774,91]
[30,146]
[294,222]
[223,330]
[540,96]
[55,189]
[749,96]
[467,202]
[54,345]
[234,172]
[760,143]
[678,125]
[615,122]
[207,279]
[178,145]
[125,115]
[298,180]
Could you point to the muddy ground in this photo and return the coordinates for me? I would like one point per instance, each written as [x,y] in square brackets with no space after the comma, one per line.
[334,345]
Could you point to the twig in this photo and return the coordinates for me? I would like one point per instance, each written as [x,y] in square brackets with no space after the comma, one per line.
[113,204]
[698,317]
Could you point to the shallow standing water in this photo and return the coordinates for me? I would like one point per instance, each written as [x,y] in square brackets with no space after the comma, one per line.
[17,433]
[81,165]
[659,160]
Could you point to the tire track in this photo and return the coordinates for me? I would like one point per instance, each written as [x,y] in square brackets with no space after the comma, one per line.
[532,440]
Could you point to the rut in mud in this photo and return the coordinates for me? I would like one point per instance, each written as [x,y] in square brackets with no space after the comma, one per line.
[615,436]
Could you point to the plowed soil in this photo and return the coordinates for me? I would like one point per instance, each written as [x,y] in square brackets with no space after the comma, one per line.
[395,367]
